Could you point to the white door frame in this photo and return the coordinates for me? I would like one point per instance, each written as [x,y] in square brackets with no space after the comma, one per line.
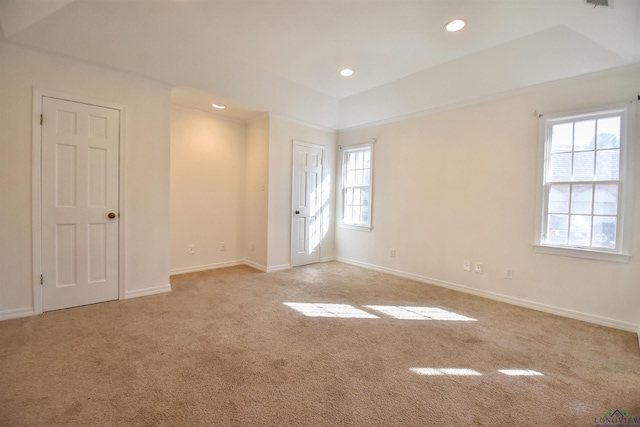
[322,224]
[36,189]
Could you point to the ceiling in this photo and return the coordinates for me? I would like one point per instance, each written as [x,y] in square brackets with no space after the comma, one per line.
[285,56]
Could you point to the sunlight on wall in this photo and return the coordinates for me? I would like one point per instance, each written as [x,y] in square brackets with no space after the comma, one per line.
[319,214]
[422,313]
[330,310]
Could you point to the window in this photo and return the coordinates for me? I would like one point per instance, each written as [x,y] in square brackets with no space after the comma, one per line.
[584,191]
[356,186]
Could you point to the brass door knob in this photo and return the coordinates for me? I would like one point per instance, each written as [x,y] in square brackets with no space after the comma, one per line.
[111,215]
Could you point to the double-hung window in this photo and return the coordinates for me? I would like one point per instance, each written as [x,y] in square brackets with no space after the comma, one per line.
[357,164]
[585,192]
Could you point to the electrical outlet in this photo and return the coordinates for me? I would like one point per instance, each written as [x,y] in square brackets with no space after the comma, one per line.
[466,265]
[191,249]
[223,246]
[393,253]
[508,273]
[478,267]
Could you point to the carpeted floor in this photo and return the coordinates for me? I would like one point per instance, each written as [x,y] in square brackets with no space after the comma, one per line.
[222,349]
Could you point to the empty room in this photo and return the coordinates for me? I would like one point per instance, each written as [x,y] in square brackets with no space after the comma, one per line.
[319,212]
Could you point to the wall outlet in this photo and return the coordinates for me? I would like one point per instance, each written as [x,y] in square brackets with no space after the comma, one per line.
[478,267]
[393,253]
[191,249]
[223,246]
[508,273]
[466,265]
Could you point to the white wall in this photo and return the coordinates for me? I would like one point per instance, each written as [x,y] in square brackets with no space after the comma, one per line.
[449,186]
[282,133]
[461,185]
[256,214]
[231,182]
[146,166]
[207,190]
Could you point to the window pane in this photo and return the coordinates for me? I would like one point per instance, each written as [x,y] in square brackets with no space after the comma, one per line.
[606,199]
[558,229]
[347,214]
[609,133]
[583,166]
[604,232]
[351,178]
[581,198]
[559,198]
[356,215]
[562,137]
[367,159]
[365,197]
[580,230]
[351,161]
[608,165]
[585,135]
[560,167]
[348,196]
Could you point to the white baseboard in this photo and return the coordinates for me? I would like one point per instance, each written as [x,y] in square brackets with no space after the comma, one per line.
[573,314]
[328,259]
[29,311]
[147,291]
[205,267]
[16,313]
[255,265]
[251,264]
[278,268]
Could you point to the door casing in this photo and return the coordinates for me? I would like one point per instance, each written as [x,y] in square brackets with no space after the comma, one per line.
[36,189]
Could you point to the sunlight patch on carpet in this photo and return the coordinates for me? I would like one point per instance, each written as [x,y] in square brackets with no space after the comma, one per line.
[519,372]
[445,371]
[471,372]
[419,313]
[330,310]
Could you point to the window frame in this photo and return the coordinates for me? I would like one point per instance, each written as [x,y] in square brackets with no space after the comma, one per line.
[344,151]
[621,253]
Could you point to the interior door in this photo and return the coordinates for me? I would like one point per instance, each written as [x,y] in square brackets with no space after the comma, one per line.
[80,179]
[307,204]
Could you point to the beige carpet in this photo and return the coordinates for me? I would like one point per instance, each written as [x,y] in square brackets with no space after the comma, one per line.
[223,349]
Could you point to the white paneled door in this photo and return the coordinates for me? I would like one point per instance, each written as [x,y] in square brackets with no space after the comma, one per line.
[80,196]
[307,229]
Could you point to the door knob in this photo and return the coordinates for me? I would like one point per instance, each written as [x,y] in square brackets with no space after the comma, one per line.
[297,212]
[111,215]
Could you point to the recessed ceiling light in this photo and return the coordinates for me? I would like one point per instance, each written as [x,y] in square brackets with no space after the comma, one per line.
[347,72]
[219,106]
[455,25]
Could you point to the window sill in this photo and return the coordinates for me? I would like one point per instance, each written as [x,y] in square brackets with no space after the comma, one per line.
[356,227]
[582,253]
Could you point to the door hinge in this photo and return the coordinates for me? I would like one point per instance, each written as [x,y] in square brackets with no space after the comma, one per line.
[41,280]
[41,119]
